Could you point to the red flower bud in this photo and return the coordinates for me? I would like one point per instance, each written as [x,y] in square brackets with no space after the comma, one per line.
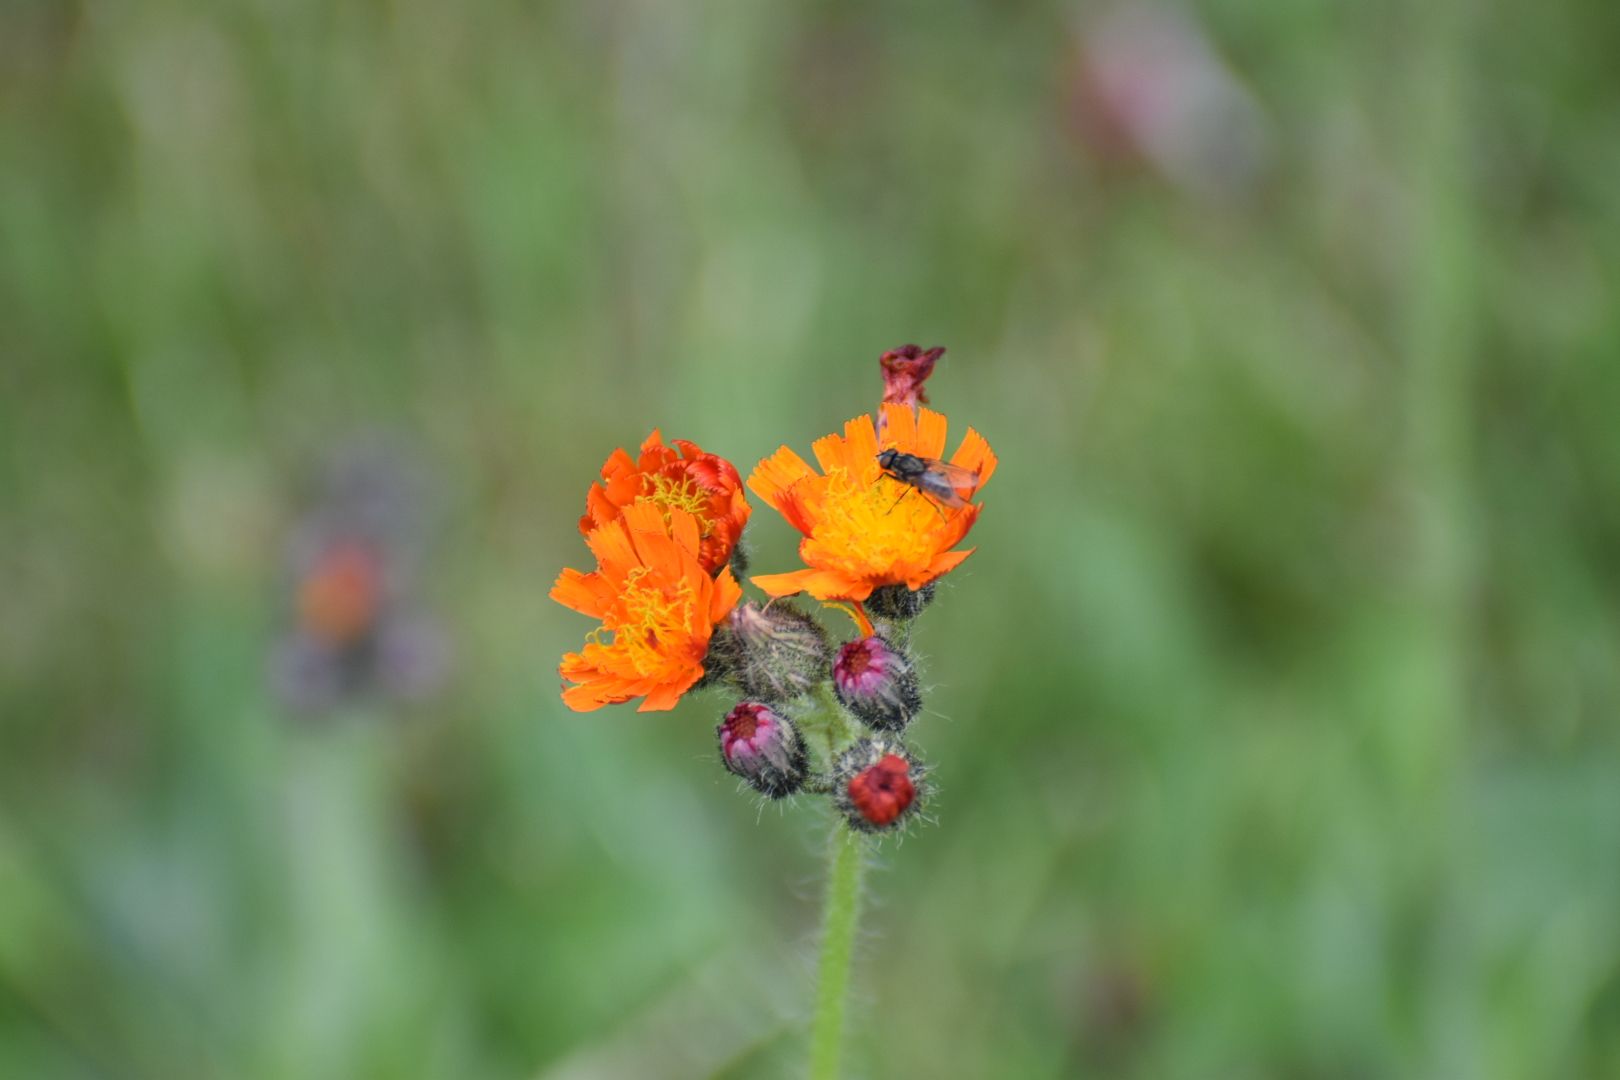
[877,785]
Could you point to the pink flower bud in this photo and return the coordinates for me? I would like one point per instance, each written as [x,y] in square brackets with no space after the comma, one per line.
[876,682]
[764,748]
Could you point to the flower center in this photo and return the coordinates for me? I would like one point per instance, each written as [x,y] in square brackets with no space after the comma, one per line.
[743,724]
[680,492]
[654,620]
[876,524]
[857,659]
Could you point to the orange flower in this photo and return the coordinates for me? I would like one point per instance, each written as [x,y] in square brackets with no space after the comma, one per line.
[863,529]
[704,485]
[657,601]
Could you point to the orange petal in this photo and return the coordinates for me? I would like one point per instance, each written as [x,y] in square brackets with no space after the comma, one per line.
[930,434]
[832,452]
[783,584]
[952,531]
[975,454]
[586,697]
[832,585]
[821,584]
[664,697]
[939,567]
[685,531]
[654,547]
[860,439]
[587,594]
[725,596]
[599,509]
[900,429]
[776,474]
[612,548]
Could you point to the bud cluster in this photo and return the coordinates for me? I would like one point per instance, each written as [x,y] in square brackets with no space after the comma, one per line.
[821,719]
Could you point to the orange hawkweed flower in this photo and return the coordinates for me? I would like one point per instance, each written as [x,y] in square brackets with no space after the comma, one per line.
[863,529]
[684,477]
[658,606]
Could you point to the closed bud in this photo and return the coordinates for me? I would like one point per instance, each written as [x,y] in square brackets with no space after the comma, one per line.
[773,654]
[764,748]
[877,784]
[876,682]
[898,603]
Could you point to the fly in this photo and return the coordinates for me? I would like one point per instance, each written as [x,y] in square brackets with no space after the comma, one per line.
[943,482]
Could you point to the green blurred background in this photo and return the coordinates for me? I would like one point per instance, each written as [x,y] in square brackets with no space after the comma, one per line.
[1273,720]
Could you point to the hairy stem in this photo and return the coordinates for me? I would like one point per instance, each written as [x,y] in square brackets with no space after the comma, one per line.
[838,921]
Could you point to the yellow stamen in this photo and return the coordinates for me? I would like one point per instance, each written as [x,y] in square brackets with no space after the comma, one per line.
[669,493]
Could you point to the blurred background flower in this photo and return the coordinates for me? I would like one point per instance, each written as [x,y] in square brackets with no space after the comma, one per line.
[355,631]
[1276,727]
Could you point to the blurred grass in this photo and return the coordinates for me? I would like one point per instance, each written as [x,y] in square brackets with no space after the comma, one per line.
[1275,714]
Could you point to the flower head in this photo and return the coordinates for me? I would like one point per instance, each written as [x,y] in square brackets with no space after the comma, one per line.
[656,600]
[354,629]
[685,478]
[876,682]
[763,748]
[876,784]
[862,528]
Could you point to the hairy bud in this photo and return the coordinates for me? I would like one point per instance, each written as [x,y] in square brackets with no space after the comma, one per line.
[897,603]
[764,748]
[877,683]
[877,784]
[771,654]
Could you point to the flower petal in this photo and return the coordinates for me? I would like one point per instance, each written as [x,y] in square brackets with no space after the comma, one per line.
[776,474]
[930,434]
[587,594]
[939,567]
[665,696]
[900,429]
[975,454]
[725,595]
[783,584]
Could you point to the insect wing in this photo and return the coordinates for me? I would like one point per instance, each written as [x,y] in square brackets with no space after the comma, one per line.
[944,474]
[947,483]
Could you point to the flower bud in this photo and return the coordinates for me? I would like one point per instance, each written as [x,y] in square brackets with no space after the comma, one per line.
[877,784]
[898,603]
[772,654]
[764,748]
[876,682]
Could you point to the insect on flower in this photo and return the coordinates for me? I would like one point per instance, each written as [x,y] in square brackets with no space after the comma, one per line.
[947,484]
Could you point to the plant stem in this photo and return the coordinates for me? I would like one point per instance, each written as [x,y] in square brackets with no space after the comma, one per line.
[838,921]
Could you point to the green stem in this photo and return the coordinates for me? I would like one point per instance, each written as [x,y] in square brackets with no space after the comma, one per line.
[838,921]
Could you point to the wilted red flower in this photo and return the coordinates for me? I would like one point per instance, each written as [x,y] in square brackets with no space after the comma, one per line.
[685,478]
[904,371]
